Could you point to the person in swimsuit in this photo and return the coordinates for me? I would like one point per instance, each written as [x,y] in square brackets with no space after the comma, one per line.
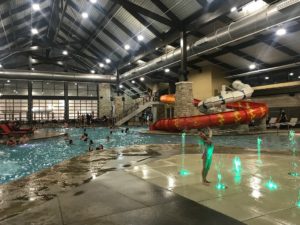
[208,149]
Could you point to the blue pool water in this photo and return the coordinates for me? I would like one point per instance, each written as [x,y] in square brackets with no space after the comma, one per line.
[19,161]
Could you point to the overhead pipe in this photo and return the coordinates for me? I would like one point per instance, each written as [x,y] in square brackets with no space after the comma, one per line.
[272,16]
[58,76]
[275,68]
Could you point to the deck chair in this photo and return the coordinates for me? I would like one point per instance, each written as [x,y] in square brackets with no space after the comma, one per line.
[293,122]
[273,122]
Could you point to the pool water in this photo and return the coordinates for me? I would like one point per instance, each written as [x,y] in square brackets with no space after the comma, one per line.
[22,160]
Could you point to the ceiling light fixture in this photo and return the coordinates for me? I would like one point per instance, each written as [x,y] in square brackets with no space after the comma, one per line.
[120,86]
[36,7]
[65,52]
[107,61]
[133,81]
[140,37]
[0,65]
[127,47]
[167,70]
[266,78]
[252,66]
[142,78]
[34,47]
[34,31]
[93,1]
[233,9]
[32,69]
[281,32]
[101,65]
[291,74]
[84,15]
[8,81]
[92,71]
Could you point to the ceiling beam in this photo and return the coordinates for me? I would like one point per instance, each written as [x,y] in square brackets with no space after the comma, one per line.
[167,11]
[131,7]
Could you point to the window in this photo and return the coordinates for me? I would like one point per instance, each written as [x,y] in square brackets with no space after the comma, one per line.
[48,109]
[13,109]
[82,107]
[47,88]
[82,89]
[13,87]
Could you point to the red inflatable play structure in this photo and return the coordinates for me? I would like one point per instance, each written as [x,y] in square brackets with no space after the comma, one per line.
[244,112]
[7,130]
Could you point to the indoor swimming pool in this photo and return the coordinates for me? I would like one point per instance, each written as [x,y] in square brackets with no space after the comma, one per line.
[22,160]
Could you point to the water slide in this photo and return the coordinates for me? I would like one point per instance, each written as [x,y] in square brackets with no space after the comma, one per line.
[241,111]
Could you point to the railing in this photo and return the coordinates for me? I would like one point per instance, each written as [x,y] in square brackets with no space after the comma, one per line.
[132,108]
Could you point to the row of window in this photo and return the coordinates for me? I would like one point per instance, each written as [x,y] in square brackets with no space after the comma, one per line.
[16,109]
[47,88]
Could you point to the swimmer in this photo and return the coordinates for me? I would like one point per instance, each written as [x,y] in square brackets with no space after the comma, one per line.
[107,138]
[24,139]
[100,147]
[70,142]
[11,141]
[126,130]
[91,145]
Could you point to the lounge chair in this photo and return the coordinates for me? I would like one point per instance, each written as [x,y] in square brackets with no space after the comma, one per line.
[273,122]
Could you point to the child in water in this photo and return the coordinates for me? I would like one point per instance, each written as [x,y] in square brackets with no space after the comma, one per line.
[208,149]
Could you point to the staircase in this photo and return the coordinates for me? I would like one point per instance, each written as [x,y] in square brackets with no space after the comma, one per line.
[121,119]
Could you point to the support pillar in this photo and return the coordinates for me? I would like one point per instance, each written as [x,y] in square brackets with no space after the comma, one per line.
[184,100]
[105,104]
[262,124]
[66,99]
[119,105]
[183,64]
[29,112]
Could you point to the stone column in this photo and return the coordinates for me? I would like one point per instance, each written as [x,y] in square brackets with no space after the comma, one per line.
[184,100]
[262,124]
[118,105]
[104,100]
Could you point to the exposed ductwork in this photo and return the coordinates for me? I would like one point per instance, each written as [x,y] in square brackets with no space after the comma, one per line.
[274,15]
[276,68]
[29,75]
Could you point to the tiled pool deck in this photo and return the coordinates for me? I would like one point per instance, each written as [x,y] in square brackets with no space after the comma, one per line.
[142,187]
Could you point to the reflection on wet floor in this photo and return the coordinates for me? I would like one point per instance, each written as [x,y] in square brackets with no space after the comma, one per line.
[255,192]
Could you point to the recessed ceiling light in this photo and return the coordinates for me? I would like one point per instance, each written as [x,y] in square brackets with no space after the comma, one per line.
[291,74]
[281,32]
[93,1]
[75,84]
[107,61]
[34,31]
[101,65]
[0,65]
[233,9]
[142,78]
[133,81]
[32,69]
[65,52]
[8,81]
[120,86]
[84,15]
[92,71]
[299,77]
[266,78]
[140,37]
[34,47]
[252,66]
[167,70]
[36,7]
[156,48]
[127,47]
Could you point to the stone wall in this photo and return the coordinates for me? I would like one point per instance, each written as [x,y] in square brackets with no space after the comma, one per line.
[184,100]
[104,100]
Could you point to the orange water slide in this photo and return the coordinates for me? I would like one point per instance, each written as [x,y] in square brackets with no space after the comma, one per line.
[244,112]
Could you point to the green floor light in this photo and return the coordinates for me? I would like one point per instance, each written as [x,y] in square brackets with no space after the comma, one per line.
[259,142]
[271,185]
[298,201]
[293,148]
[237,169]
[220,185]
[183,171]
